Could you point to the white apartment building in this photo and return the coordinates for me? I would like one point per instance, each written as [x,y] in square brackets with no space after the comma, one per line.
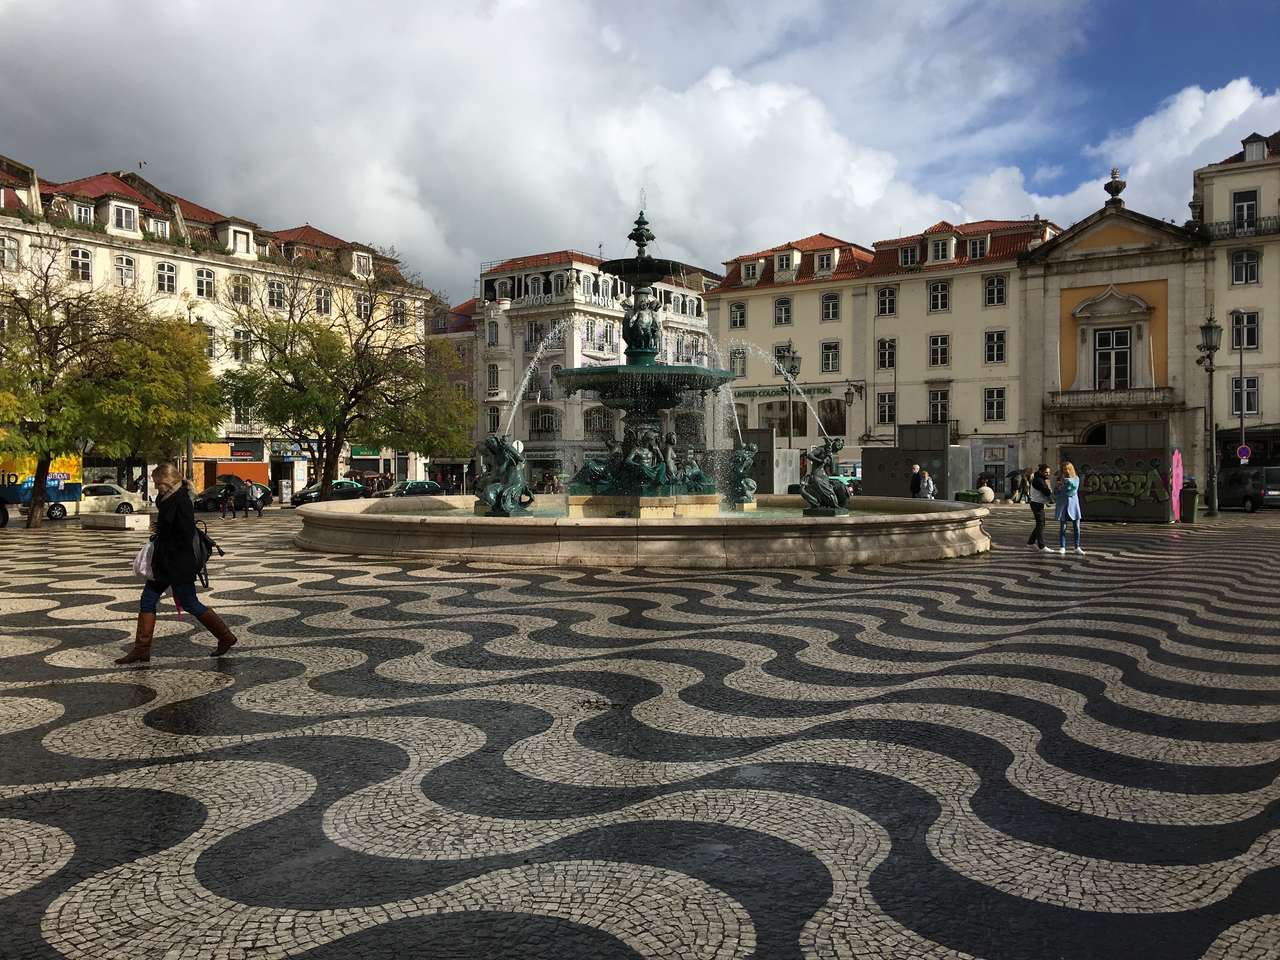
[562,311]
[118,228]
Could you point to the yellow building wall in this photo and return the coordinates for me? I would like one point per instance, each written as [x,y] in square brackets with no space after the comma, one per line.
[1154,292]
[1113,235]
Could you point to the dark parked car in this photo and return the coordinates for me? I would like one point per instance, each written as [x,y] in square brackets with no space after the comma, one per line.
[412,488]
[340,490]
[1249,487]
[248,495]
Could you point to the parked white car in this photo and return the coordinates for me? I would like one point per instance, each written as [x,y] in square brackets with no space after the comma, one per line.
[110,498]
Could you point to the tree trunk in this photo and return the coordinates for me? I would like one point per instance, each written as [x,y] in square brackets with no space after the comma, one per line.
[35,513]
[331,448]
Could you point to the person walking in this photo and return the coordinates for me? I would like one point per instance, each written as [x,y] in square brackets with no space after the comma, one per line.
[227,497]
[1038,495]
[1021,489]
[173,567]
[1067,507]
[915,480]
[928,489]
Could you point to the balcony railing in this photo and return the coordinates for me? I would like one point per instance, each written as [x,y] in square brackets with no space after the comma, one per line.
[555,343]
[1131,397]
[1229,229]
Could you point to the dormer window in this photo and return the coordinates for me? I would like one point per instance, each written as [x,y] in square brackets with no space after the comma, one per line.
[978,248]
[908,256]
[160,228]
[784,261]
[126,218]
[1255,150]
[240,241]
[364,264]
[84,214]
[940,250]
[823,262]
[748,271]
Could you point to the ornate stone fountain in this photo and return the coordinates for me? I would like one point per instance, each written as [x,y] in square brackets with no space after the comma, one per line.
[644,475]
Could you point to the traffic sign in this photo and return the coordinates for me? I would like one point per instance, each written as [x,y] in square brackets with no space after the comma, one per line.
[1244,453]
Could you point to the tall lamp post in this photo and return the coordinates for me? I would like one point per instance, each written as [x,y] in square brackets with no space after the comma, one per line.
[788,364]
[852,392]
[1210,341]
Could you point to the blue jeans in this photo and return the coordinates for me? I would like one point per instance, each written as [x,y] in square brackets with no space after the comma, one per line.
[183,593]
[1062,532]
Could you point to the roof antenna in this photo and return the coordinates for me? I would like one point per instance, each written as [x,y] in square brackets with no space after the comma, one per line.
[141,164]
[600,250]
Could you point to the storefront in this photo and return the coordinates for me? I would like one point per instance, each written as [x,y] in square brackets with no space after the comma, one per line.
[452,473]
[366,460]
[290,461]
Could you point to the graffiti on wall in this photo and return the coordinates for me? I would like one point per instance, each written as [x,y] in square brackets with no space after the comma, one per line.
[1127,484]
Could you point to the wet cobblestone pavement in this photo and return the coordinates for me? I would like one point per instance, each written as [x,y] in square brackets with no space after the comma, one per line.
[1019,755]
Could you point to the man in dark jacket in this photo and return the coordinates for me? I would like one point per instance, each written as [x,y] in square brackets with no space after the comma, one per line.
[915,480]
[1039,495]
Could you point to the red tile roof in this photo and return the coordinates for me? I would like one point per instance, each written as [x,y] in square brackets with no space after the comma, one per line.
[1005,245]
[810,244]
[973,228]
[195,213]
[1273,147]
[102,185]
[466,307]
[558,258]
[852,262]
[311,237]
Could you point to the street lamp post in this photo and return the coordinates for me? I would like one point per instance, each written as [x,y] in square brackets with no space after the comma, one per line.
[852,392]
[1210,341]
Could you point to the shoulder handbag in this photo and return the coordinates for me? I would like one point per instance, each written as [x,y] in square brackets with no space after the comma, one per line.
[142,561]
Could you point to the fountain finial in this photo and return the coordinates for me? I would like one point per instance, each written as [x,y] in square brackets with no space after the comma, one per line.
[641,235]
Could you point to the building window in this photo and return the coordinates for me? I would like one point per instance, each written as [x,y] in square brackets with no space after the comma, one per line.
[491,330]
[210,343]
[995,291]
[737,316]
[1257,150]
[275,294]
[124,271]
[939,406]
[1244,330]
[166,278]
[8,253]
[493,420]
[908,256]
[240,241]
[241,415]
[1244,207]
[886,408]
[831,356]
[492,377]
[784,261]
[831,306]
[160,228]
[887,301]
[978,248]
[84,214]
[364,306]
[241,348]
[240,289]
[823,262]
[1244,266]
[204,283]
[994,346]
[782,312]
[1245,388]
[738,362]
[886,353]
[748,271]
[535,286]
[324,301]
[939,296]
[774,414]
[940,350]
[399,314]
[126,218]
[558,284]
[364,264]
[81,264]
[993,404]
[1111,359]
[941,250]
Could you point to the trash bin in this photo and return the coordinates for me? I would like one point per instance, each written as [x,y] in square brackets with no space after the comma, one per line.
[1190,503]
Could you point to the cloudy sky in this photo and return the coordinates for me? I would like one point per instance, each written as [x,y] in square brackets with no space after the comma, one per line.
[461,131]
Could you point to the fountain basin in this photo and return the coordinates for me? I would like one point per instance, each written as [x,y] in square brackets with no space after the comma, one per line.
[880,530]
[657,386]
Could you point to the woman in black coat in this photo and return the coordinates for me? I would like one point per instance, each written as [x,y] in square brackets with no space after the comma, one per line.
[173,567]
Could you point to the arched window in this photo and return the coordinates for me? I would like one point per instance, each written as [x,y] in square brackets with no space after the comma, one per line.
[399,314]
[503,289]
[275,294]
[324,301]
[492,378]
[831,414]
[738,362]
[558,284]
[494,423]
[81,265]
[606,287]
[204,283]
[125,271]
[675,303]
[737,316]
[831,306]
[597,422]
[491,329]
[544,423]
[240,290]
[1244,266]
[535,286]
[588,284]
[782,312]
[166,278]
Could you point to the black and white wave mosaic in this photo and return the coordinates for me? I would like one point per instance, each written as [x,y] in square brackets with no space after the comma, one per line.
[1017,755]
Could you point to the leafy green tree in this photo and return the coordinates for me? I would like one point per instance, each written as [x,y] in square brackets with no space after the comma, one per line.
[56,348]
[325,365]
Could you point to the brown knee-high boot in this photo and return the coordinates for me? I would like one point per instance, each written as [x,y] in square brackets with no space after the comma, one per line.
[226,639]
[141,652]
